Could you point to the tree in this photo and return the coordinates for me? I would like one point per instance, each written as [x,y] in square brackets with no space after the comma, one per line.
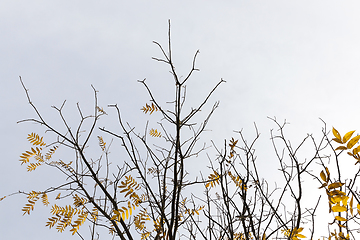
[152,195]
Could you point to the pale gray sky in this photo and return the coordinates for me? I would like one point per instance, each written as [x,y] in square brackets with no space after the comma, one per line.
[297,60]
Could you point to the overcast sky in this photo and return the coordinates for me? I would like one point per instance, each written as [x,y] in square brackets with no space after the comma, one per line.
[295,60]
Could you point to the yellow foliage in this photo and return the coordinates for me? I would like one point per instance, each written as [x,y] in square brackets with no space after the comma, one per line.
[32,198]
[194,211]
[353,141]
[102,143]
[232,144]
[350,143]
[25,157]
[35,152]
[49,154]
[52,221]
[214,179]
[158,225]
[58,196]
[64,211]
[145,235]
[32,166]
[241,236]
[356,150]
[347,136]
[79,201]
[140,219]
[95,213]
[77,223]
[128,187]
[335,185]
[238,182]
[294,234]
[338,208]
[123,213]
[63,223]
[64,215]
[323,177]
[149,108]
[28,207]
[351,205]
[154,133]
[338,200]
[337,136]
[340,218]
[35,140]
[339,236]
[44,199]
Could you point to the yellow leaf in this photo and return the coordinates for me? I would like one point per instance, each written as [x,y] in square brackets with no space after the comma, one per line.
[335,185]
[356,150]
[336,199]
[341,198]
[154,133]
[116,214]
[149,108]
[340,218]
[344,200]
[347,136]
[341,148]
[323,176]
[336,192]
[338,208]
[351,205]
[328,173]
[342,226]
[337,140]
[336,133]
[353,141]
[73,230]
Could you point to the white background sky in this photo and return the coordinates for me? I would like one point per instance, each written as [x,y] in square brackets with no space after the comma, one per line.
[297,60]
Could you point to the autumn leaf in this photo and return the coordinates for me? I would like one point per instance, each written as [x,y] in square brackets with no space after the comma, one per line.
[340,218]
[335,185]
[336,134]
[337,140]
[338,208]
[347,136]
[341,148]
[323,176]
[353,141]
[328,173]
[356,150]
